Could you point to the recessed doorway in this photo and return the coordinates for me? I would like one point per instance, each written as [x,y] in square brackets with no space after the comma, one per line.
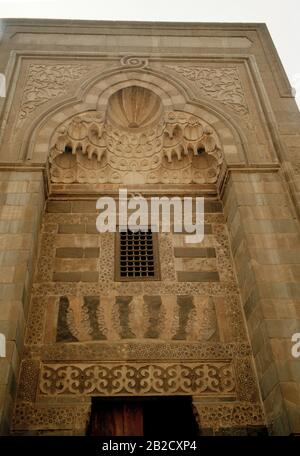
[143,416]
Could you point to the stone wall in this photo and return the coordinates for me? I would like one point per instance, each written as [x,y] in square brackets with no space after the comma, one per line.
[183,334]
[265,240]
[221,81]
[20,215]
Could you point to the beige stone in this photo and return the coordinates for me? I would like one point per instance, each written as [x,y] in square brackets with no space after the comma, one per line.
[94,111]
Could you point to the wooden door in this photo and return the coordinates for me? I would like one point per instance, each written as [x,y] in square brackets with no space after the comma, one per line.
[117,419]
[152,416]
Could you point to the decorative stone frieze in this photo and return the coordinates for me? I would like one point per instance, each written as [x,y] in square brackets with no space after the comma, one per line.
[137,379]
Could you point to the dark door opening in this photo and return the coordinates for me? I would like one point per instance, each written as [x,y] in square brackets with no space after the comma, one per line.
[146,416]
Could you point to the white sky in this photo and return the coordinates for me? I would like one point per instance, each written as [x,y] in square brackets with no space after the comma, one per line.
[281,17]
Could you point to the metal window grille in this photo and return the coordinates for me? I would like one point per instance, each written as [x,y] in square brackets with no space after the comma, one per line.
[137,255]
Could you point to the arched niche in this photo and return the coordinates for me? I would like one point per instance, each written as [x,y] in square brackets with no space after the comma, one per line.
[173,98]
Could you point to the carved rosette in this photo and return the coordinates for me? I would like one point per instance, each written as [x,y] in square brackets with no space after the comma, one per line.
[135,141]
[133,61]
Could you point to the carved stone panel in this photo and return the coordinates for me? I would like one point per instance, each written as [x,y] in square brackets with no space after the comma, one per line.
[180,335]
[137,379]
[135,317]
[135,141]
[222,84]
[44,82]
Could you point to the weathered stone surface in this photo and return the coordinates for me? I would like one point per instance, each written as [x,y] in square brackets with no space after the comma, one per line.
[71,228]
[198,276]
[20,215]
[267,252]
[91,252]
[69,252]
[216,125]
[58,206]
[190,252]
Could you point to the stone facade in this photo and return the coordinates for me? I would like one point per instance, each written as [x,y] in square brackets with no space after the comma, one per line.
[22,200]
[163,110]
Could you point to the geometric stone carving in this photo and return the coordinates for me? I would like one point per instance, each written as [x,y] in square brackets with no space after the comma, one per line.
[137,379]
[214,416]
[28,380]
[218,415]
[135,141]
[132,351]
[221,84]
[27,416]
[35,326]
[247,390]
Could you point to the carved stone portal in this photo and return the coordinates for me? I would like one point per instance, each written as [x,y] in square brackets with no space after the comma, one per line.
[135,140]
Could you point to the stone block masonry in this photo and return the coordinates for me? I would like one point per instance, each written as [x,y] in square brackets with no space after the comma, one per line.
[265,242]
[21,207]
[220,122]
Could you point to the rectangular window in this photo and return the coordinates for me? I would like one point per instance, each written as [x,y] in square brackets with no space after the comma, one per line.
[137,255]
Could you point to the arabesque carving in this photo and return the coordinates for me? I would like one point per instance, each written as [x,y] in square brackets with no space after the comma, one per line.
[222,84]
[44,82]
[135,141]
[141,379]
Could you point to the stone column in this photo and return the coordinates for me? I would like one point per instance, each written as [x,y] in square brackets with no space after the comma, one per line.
[21,206]
[265,240]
